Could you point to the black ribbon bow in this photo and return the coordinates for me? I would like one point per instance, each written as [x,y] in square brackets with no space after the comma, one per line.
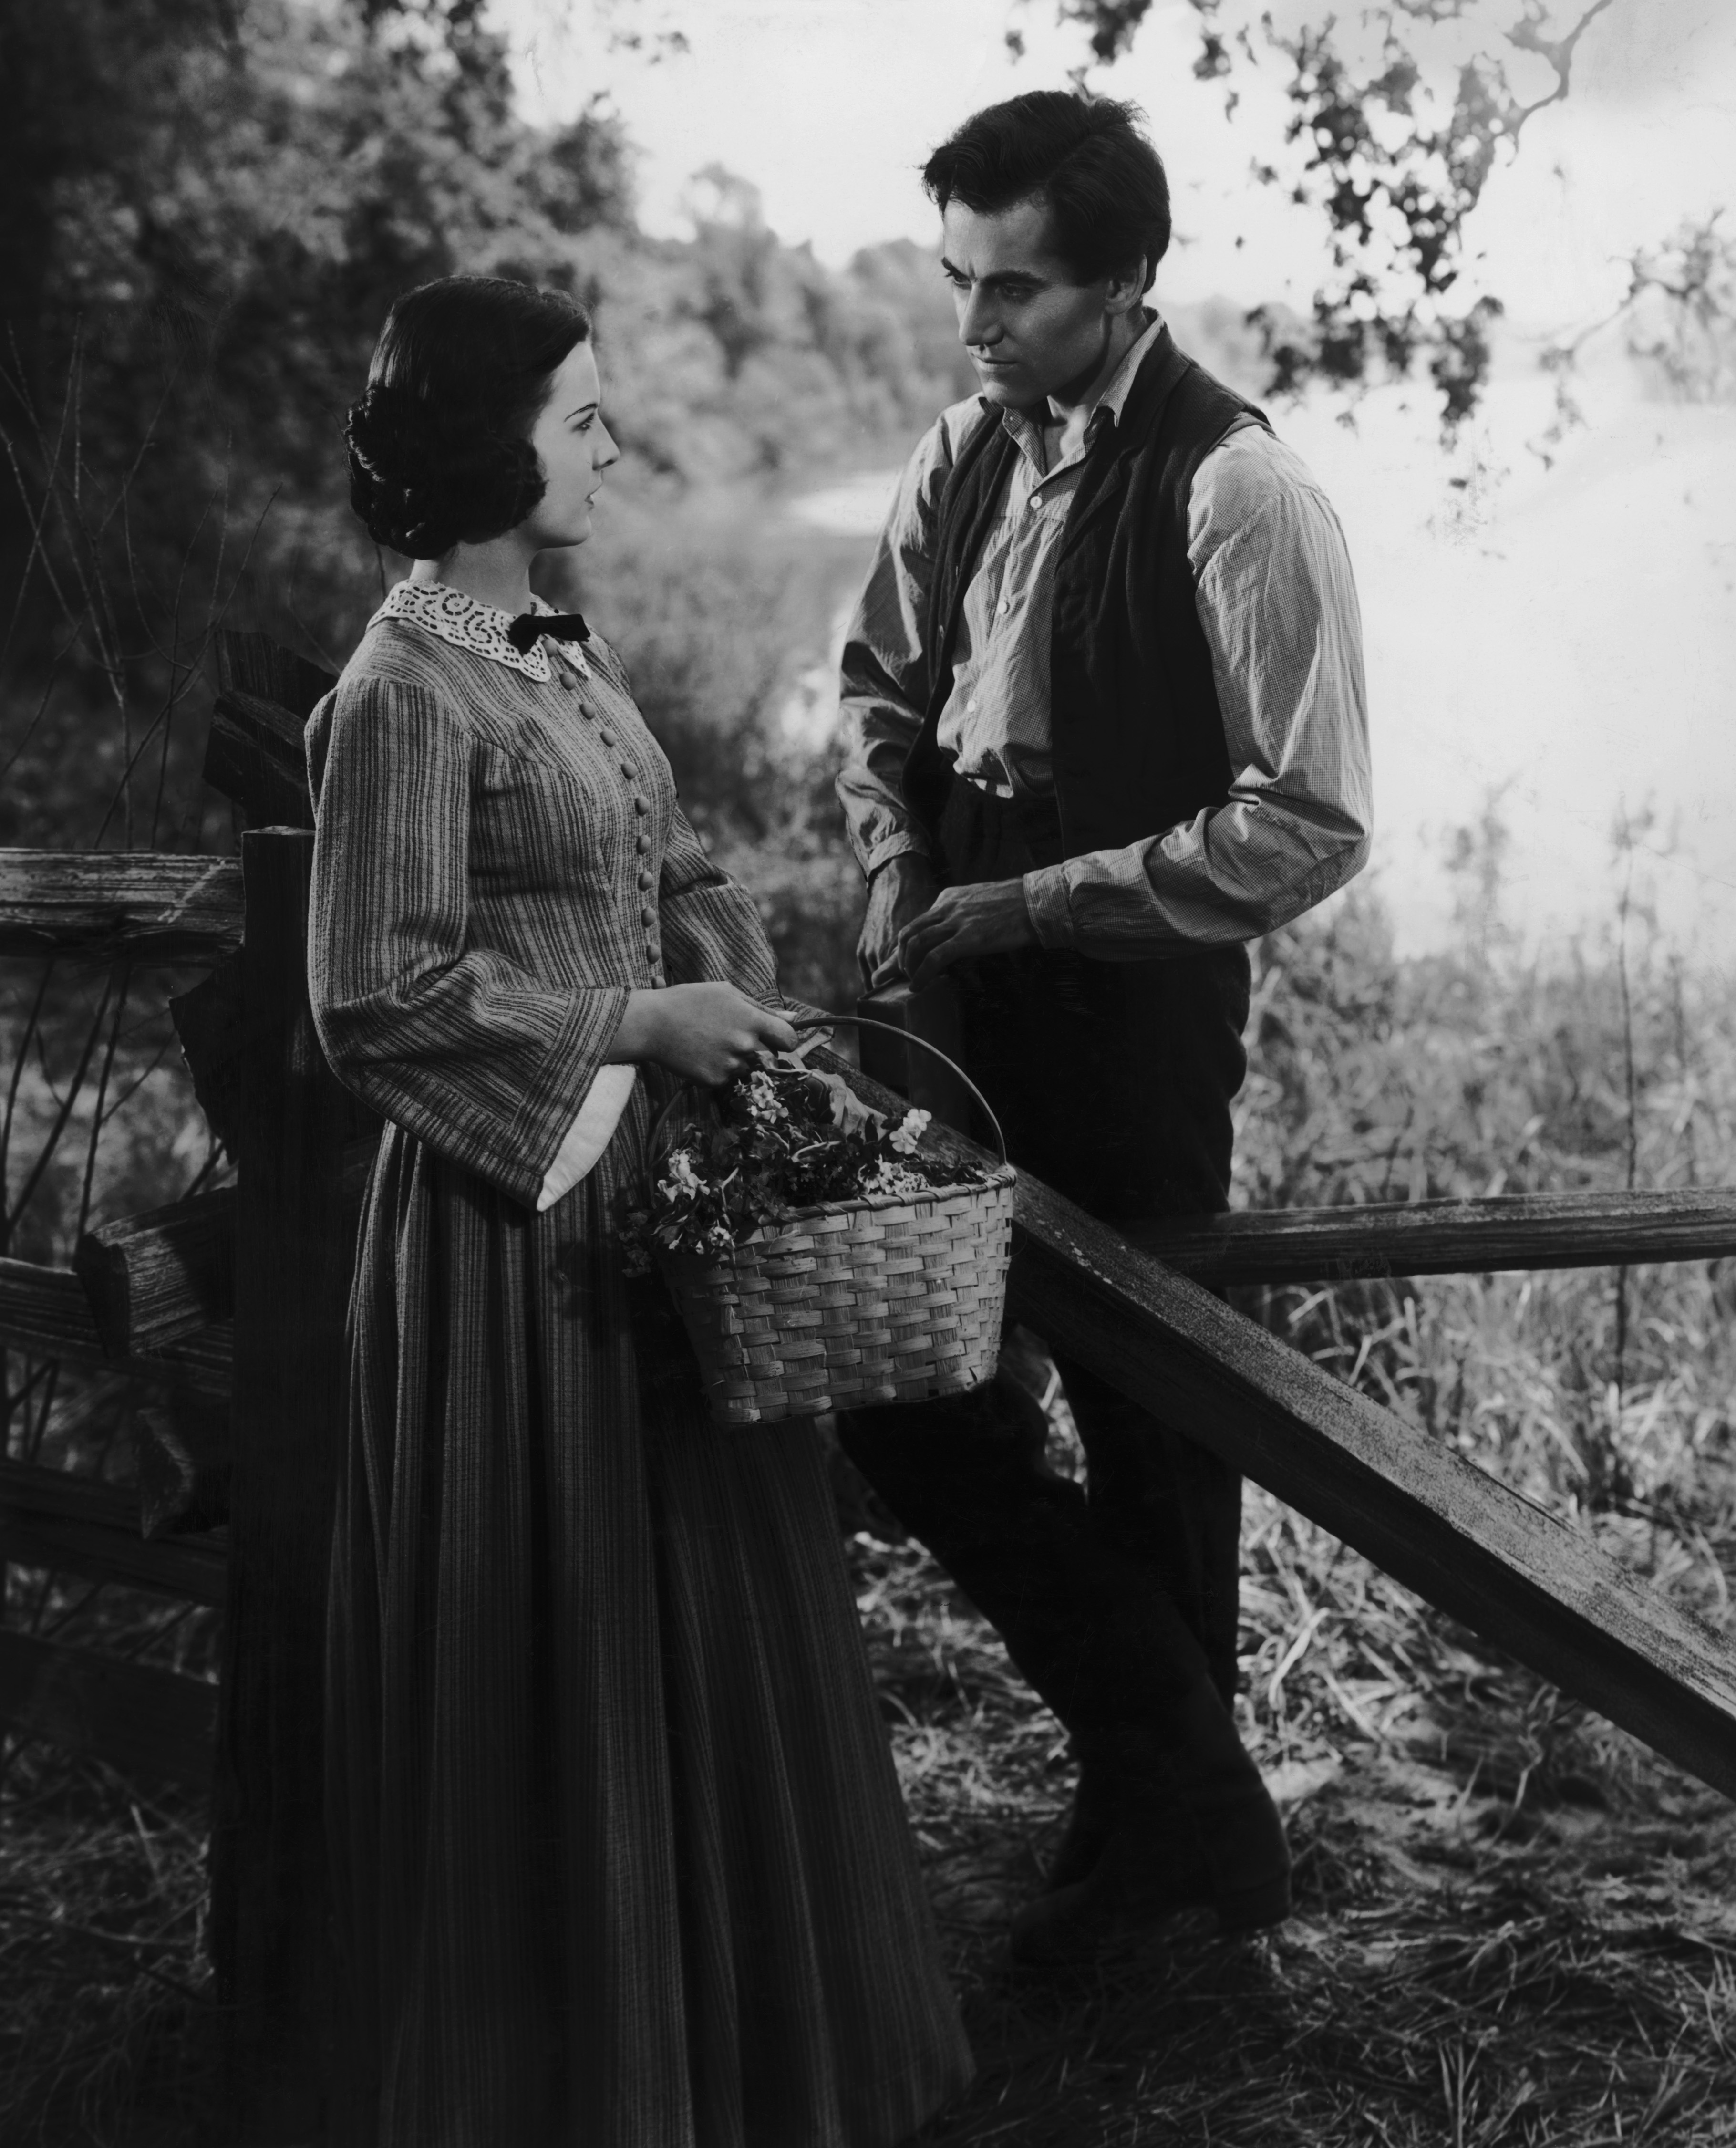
[531,626]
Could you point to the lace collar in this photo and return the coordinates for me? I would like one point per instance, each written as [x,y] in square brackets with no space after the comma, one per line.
[467,623]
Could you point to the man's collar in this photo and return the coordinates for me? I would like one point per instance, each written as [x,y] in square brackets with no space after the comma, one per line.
[1113,399]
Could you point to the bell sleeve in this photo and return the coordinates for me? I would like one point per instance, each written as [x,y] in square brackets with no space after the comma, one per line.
[462,1045]
[709,924]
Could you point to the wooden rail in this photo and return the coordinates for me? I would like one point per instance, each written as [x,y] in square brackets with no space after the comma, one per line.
[157,1279]
[254,755]
[69,1525]
[106,906]
[1446,1237]
[44,1312]
[1512,1573]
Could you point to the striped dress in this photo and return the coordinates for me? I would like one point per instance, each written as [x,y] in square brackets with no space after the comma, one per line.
[619,1857]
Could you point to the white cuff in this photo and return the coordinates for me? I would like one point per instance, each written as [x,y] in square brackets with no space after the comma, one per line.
[590,1133]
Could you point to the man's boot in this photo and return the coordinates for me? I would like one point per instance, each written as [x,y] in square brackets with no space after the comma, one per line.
[1090,1822]
[1194,1828]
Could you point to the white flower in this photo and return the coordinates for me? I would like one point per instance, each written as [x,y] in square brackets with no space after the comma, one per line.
[887,1177]
[905,1135]
[682,1178]
[763,1101]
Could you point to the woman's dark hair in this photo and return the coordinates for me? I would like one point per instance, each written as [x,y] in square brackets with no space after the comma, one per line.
[438,450]
[1083,157]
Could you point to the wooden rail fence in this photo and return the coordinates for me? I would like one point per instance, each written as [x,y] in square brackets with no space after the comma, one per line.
[228,1308]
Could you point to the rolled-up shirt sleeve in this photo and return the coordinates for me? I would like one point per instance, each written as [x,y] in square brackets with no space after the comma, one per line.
[1277,603]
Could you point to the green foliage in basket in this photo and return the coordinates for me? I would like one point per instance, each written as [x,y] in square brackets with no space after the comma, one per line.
[781,1136]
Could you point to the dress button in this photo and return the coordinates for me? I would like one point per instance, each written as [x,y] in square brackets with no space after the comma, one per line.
[641,804]
[648,914]
[607,737]
[629,771]
[644,878]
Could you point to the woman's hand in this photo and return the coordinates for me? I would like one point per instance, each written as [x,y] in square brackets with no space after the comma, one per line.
[987,917]
[704,1032]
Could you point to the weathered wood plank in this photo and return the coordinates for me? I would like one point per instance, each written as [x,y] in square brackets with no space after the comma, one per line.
[1512,1573]
[49,1518]
[100,905]
[132,1716]
[158,1278]
[1413,1506]
[268,1910]
[1446,1237]
[208,1028]
[181,1444]
[45,1313]
[255,663]
[253,754]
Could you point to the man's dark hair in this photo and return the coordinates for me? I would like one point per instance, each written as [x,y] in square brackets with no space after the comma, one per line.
[1083,157]
[438,451]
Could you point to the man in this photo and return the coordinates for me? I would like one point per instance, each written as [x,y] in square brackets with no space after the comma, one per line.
[1107,701]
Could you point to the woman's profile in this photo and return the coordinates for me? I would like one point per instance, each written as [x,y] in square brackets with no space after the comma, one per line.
[619,1856]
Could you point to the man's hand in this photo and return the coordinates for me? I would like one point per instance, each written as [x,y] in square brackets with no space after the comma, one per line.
[898,894]
[961,923]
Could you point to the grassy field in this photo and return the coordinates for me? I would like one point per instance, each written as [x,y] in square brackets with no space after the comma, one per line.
[1514,1924]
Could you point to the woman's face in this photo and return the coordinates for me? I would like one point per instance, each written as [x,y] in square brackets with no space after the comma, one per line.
[574,447]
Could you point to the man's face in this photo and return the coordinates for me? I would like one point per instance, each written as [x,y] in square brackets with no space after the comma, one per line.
[1030,327]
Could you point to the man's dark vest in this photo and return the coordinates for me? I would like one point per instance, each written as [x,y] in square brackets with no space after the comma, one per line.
[1137,737]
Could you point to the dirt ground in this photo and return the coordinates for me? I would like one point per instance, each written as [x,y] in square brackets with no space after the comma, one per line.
[1515,1925]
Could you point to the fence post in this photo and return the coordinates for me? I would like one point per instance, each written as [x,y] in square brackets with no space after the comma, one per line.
[292,1257]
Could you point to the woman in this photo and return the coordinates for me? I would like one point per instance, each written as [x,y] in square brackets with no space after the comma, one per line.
[618,1853]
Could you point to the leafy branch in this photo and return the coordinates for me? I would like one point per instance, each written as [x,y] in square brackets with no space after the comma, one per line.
[1399,117]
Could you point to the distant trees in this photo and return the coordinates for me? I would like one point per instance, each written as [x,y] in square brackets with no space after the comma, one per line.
[208,209]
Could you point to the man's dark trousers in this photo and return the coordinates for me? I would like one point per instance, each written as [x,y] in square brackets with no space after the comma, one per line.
[1114,1598]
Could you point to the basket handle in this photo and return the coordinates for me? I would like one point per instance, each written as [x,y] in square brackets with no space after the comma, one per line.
[891,1029]
[858,1022]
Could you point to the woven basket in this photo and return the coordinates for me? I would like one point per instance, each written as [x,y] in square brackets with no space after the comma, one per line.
[889,1298]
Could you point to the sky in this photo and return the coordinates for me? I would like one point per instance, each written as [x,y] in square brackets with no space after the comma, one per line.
[830,107]
[1559,635]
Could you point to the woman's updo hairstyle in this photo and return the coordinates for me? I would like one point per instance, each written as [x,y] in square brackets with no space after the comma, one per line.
[439,454]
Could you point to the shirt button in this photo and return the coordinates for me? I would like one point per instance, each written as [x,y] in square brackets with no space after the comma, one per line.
[629,771]
[648,913]
[607,737]
[644,878]
[641,804]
